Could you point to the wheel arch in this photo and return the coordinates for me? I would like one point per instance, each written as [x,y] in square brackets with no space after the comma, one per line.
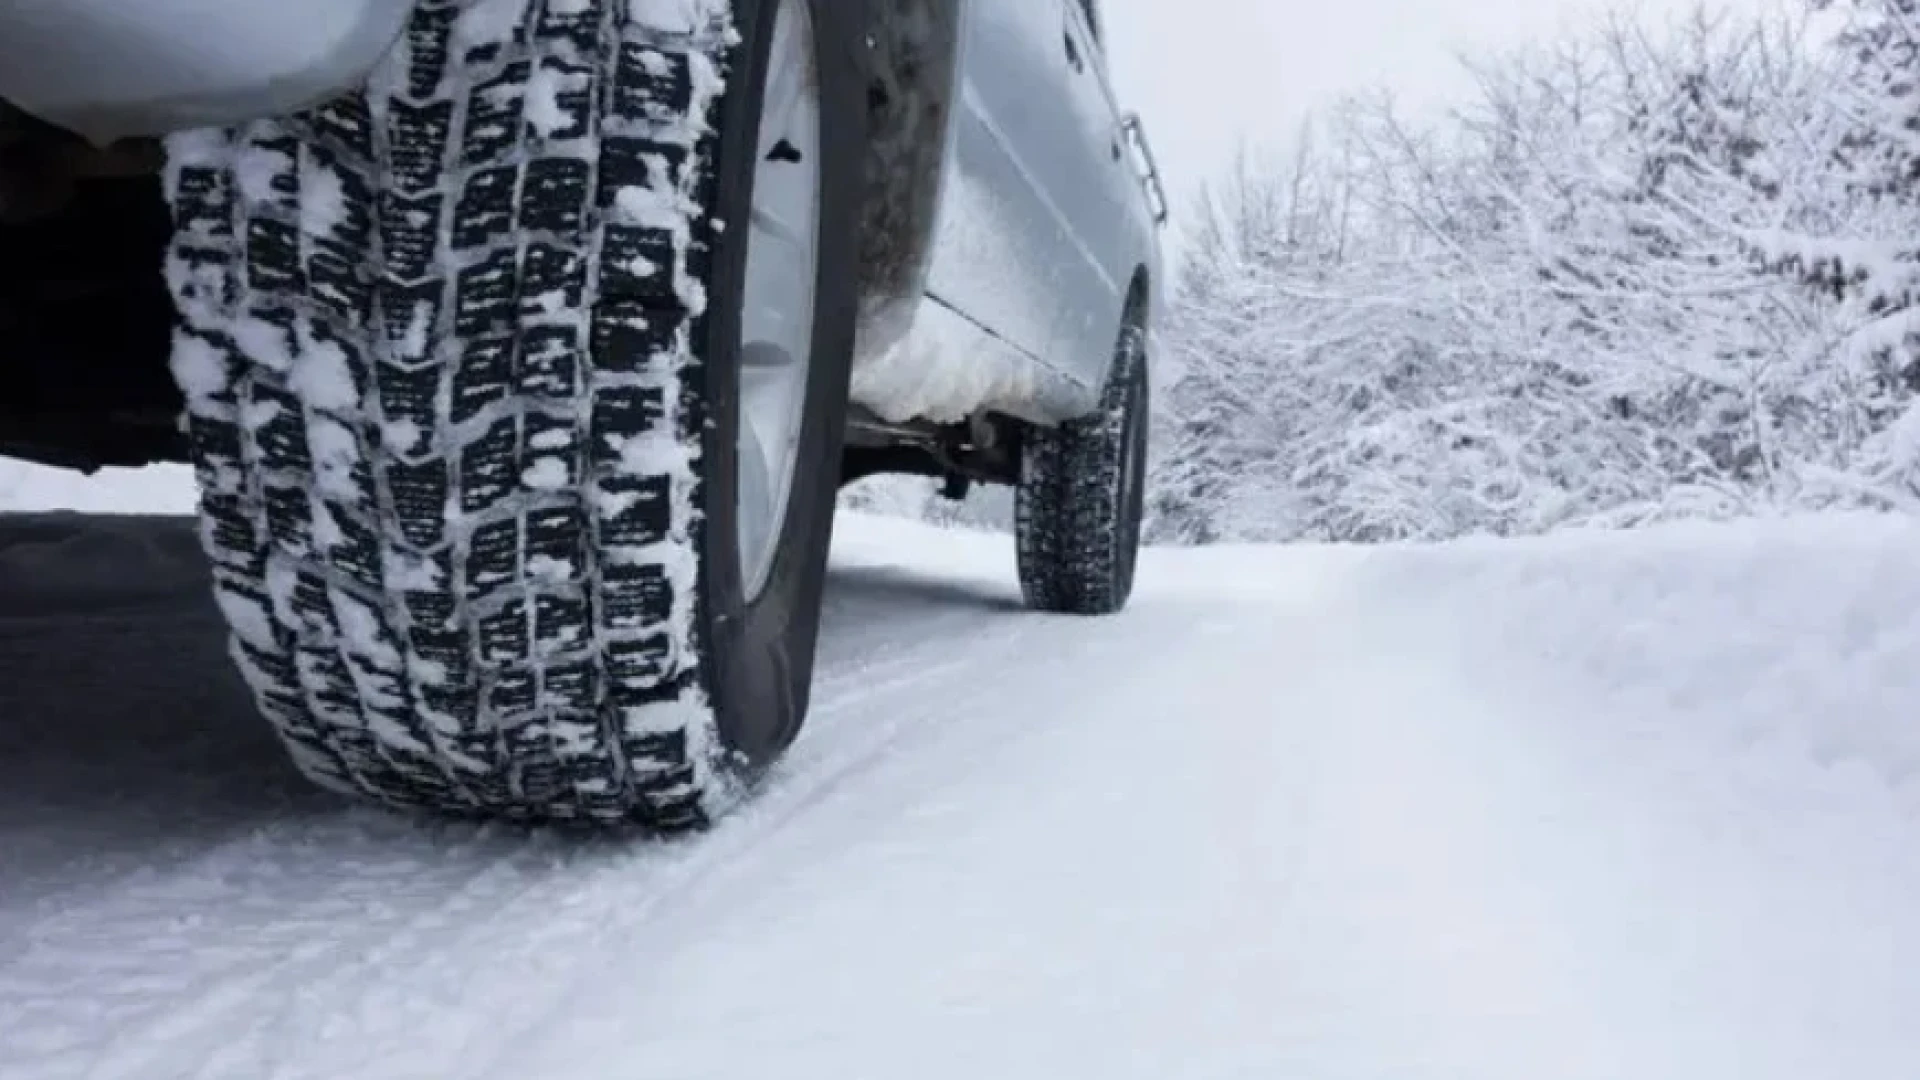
[913,86]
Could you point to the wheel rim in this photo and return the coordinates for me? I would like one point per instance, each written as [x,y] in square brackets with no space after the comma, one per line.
[776,319]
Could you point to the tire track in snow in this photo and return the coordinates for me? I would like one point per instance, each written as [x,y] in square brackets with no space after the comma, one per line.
[563,944]
[994,764]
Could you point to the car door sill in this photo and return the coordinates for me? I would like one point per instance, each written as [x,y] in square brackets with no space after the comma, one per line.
[917,377]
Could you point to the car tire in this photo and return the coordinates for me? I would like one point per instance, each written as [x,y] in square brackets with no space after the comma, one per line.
[1081,494]
[466,355]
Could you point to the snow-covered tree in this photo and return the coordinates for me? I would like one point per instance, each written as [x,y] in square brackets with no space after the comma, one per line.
[1864,252]
[1544,309]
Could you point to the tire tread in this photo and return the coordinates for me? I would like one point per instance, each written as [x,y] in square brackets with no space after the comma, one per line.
[436,342]
[1075,540]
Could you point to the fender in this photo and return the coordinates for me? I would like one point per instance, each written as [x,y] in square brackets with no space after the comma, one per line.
[112,69]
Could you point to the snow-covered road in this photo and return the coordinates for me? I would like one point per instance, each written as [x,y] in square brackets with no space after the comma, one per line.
[1635,807]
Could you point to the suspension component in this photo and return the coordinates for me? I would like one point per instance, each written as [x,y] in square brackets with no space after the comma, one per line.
[40,165]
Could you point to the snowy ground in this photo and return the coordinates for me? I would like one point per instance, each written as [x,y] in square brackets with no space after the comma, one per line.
[1614,807]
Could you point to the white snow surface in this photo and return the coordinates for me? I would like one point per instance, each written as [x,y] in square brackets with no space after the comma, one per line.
[161,490]
[1613,806]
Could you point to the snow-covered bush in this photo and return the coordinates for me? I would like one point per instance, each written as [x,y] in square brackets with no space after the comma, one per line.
[1564,303]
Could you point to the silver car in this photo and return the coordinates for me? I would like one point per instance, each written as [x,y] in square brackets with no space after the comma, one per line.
[520,347]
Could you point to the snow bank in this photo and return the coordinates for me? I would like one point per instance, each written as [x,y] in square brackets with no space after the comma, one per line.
[1768,653]
[160,490]
[1691,812]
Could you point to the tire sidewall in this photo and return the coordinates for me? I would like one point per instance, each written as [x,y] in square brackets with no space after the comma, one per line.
[760,654]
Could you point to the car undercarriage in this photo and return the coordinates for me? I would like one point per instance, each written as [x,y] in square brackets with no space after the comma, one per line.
[85,318]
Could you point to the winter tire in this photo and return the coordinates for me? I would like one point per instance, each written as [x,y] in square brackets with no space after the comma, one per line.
[476,362]
[1078,505]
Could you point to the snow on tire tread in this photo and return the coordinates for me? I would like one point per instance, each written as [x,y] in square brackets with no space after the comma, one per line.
[436,341]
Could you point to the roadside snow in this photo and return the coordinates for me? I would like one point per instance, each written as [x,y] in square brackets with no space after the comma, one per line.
[24,487]
[1612,806]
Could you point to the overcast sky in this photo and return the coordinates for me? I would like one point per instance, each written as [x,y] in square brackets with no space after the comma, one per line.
[1204,72]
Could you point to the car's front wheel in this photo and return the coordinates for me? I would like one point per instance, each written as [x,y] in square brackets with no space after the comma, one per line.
[515,384]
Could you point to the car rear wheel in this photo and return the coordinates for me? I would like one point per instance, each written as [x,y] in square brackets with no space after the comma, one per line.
[1079,502]
[515,388]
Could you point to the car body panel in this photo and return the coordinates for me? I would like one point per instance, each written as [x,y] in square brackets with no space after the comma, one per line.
[109,69]
[1004,253]
[1042,223]
[1106,212]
